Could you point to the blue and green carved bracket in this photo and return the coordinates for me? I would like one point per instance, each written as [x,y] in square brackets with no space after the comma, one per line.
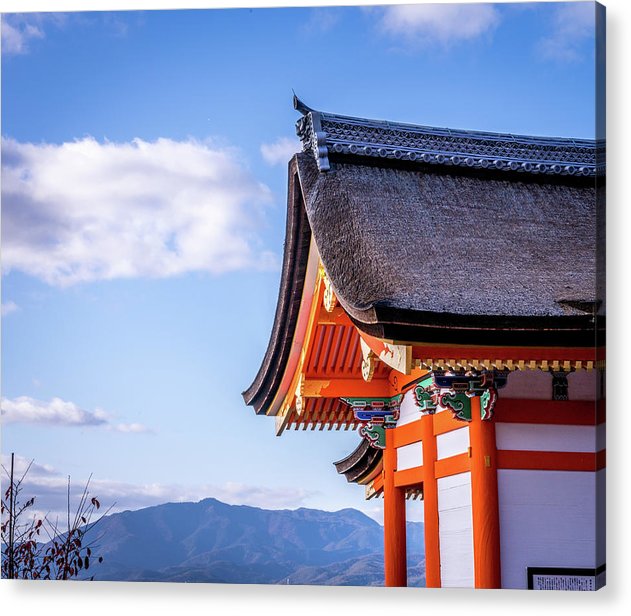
[454,391]
[376,411]
[375,435]
[425,399]
[475,384]
[458,403]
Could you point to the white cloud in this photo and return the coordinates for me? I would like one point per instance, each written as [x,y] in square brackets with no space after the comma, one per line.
[280,151]
[58,412]
[85,210]
[9,307]
[445,24]
[49,488]
[17,32]
[574,24]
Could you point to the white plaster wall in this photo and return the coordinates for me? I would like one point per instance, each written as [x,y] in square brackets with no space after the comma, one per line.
[452,443]
[583,385]
[528,384]
[409,412]
[455,524]
[409,456]
[545,437]
[601,525]
[547,519]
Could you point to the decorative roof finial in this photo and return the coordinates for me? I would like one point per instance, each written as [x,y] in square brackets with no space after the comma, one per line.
[300,106]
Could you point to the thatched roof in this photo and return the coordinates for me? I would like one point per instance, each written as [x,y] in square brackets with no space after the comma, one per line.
[440,250]
[494,259]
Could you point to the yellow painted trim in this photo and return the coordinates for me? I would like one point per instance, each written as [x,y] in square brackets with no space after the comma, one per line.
[431,363]
[290,398]
[312,388]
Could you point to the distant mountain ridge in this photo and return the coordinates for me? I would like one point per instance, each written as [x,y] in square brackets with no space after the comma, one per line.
[211,541]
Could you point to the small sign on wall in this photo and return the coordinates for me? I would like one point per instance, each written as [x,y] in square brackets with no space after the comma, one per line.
[565,578]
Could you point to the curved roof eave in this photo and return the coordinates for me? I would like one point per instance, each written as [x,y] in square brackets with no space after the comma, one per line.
[295,258]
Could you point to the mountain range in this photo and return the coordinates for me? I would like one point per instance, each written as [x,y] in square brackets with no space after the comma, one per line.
[211,541]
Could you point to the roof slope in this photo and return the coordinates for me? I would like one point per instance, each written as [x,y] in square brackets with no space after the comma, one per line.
[464,250]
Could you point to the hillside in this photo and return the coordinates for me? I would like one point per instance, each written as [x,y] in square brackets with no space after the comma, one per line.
[211,541]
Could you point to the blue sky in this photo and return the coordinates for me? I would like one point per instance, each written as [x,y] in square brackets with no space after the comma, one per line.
[143,206]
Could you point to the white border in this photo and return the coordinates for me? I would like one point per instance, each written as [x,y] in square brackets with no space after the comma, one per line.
[55,598]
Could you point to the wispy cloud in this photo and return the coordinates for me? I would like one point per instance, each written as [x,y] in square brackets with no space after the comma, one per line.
[573,25]
[17,32]
[58,412]
[20,30]
[9,307]
[444,24]
[321,20]
[49,487]
[132,428]
[280,151]
[85,211]
[115,24]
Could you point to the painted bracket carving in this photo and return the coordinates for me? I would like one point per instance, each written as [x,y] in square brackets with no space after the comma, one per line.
[453,391]
[397,356]
[424,398]
[369,361]
[374,434]
[377,411]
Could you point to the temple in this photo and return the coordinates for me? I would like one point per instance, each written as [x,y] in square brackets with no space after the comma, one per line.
[442,293]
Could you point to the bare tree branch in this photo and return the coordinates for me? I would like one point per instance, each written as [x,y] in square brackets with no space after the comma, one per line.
[65,554]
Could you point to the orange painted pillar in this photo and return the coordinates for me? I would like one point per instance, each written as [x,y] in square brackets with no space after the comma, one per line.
[395,556]
[485,508]
[430,503]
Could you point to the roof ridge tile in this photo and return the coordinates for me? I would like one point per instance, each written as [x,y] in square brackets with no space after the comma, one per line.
[324,134]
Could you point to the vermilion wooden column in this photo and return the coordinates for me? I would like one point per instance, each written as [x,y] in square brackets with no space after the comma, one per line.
[430,503]
[395,557]
[485,509]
